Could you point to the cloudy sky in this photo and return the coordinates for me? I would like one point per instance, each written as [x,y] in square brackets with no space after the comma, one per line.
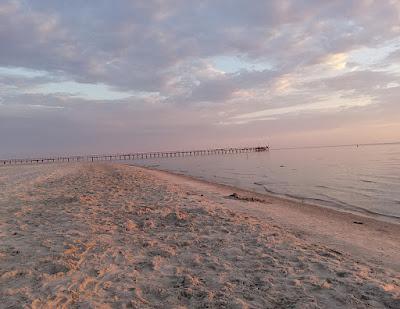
[112,76]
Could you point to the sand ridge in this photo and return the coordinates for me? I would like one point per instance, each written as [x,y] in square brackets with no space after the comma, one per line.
[113,236]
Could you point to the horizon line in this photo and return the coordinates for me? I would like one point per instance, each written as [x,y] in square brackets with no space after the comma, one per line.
[337,145]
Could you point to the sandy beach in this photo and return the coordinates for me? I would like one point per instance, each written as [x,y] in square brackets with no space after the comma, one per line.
[119,236]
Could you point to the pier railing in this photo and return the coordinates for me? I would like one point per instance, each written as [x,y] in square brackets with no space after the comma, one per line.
[133,156]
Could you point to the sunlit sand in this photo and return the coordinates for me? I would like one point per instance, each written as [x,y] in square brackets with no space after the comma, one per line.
[92,235]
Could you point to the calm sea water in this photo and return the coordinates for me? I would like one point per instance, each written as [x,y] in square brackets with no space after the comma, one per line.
[363,179]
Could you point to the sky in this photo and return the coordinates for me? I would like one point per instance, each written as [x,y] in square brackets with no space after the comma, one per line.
[83,77]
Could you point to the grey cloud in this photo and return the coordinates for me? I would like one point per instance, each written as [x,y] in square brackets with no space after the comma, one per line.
[133,45]
[165,47]
[394,56]
[221,88]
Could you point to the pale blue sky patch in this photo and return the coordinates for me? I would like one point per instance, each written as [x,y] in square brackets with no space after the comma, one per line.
[21,72]
[367,57]
[82,90]
[233,64]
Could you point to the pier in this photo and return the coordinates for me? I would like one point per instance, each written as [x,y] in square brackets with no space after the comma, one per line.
[133,156]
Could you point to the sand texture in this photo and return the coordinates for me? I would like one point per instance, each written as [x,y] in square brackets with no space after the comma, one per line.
[114,236]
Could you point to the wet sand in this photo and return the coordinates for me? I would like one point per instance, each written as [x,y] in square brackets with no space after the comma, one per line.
[115,236]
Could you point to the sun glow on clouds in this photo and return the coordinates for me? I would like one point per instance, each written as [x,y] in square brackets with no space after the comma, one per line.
[336,61]
[283,84]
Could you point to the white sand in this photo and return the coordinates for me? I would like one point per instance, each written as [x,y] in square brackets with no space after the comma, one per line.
[113,236]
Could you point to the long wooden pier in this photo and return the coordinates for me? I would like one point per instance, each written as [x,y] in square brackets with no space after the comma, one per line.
[133,156]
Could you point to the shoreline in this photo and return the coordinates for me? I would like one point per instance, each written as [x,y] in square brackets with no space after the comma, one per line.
[348,209]
[356,211]
[346,231]
[112,235]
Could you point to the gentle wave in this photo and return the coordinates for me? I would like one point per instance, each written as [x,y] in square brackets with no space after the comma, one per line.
[332,203]
[364,179]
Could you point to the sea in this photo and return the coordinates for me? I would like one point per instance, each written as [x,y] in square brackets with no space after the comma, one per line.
[356,178]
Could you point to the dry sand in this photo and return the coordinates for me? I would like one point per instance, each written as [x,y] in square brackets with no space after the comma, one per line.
[114,236]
